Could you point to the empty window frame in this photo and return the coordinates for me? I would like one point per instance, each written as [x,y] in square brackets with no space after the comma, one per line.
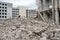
[5,7]
[5,10]
[5,16]
[0,6]
[2,10]
[2,16]
[2,13]
[5,13]
[5,4]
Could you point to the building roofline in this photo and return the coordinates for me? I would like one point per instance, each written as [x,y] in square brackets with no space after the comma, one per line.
[5,2]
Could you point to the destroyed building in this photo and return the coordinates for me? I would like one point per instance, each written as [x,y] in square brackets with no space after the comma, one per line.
[31,13]
[49,10]
[15,12]
[5,10]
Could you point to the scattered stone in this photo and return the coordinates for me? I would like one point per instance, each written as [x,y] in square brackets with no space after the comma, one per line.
[27,29]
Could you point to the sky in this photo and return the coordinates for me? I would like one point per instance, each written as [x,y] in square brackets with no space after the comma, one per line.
[31,4]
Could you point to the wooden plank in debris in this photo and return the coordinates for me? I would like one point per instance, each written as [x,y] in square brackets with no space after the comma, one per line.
[41,16]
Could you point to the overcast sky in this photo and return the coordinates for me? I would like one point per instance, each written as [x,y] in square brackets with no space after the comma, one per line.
[26,3]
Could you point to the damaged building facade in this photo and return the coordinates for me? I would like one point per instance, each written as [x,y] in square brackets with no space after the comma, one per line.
[31,13]
[49,9]
[5,10]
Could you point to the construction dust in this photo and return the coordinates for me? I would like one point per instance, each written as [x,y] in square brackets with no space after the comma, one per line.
[28,29]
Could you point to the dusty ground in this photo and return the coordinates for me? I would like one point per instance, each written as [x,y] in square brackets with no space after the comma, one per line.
[28,29]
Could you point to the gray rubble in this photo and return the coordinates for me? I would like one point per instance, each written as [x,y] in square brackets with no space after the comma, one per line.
[28,29]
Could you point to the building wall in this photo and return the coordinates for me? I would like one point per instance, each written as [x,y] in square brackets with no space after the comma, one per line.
[47,5]
[6,10]
[15,12]
[31,13]
[59,3]
[38,3]
[22,11]
[44,4]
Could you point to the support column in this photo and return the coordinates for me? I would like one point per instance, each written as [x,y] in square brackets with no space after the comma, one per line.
[44,4]
[39,5]
[53,12]
[57,17]
[44,14]
[56,12]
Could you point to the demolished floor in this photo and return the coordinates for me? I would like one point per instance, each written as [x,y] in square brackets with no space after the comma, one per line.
[28,29]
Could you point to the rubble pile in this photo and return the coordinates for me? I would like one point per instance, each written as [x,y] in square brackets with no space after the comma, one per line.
[27,29]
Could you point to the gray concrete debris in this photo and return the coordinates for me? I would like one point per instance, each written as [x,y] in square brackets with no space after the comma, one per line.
[27,29]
